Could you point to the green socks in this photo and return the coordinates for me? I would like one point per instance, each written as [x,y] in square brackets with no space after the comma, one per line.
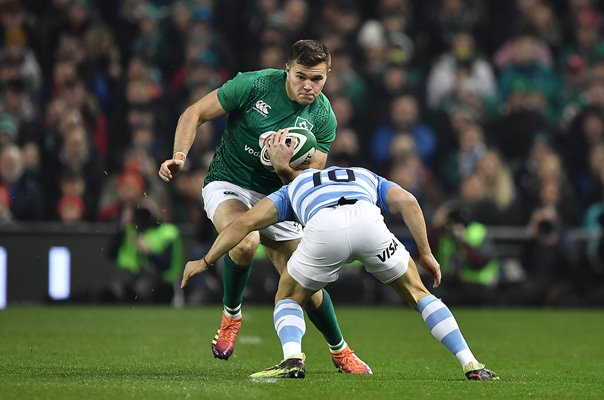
[324,318]
[234,280]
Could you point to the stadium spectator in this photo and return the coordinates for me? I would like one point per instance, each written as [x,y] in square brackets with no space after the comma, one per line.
[148,256]
[25,198]
[19,104]
[270,57]
[467,94]
[78,200]
[539,17]
[5,214]
[17,39]
[8,130]
[544,258]
[554,190]
[522,118]
[345,148]
[449,16]
[586,42]
[395,81]
[474,196]
[459,63]
[78,155]
[595,182]
[188,206]
[175,36]
[499,183]
[524,66]
[94,120]
[149,34]
[591,280]
[353,87]
[351,146]
[470,147]
[574,78]
[407,170]
[130,192]
[102,68]
[32,161]
[404,119]
[466,253]
[70,209]
[585,133]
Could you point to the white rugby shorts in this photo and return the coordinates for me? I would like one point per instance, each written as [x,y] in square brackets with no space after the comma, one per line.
[216,192]
[337,235]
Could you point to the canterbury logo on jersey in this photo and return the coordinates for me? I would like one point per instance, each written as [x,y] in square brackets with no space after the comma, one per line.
[262,107]
[229,193]
[388,251]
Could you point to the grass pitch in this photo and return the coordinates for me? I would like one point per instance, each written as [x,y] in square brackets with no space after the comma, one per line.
[161,353]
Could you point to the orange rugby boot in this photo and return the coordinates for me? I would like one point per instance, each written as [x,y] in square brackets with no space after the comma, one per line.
[223,344]
[348,362]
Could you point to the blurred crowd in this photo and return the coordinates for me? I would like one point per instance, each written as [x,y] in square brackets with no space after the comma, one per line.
[490,110]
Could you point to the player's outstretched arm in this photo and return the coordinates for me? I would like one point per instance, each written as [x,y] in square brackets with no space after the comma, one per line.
[205,109]
[260,216]
[401,201]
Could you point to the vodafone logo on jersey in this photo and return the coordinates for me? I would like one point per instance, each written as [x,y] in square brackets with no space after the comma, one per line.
[262,107]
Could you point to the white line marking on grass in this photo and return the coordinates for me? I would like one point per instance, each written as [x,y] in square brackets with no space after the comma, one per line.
[263,380]
[249,340]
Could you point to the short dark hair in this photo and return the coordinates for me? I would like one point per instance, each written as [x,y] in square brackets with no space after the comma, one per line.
[309,53]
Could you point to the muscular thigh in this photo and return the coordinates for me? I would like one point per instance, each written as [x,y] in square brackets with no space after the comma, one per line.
[279,252]
[224,202]
[227,212]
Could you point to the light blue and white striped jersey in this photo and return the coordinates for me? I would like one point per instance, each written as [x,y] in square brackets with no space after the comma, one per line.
[315,189]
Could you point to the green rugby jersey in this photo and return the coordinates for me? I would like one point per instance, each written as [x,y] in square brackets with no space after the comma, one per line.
[257,103]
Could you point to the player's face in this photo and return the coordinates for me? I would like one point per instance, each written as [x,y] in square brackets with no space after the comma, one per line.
[304,84]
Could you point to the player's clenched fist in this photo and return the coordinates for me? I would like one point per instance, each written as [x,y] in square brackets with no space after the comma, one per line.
[170,168]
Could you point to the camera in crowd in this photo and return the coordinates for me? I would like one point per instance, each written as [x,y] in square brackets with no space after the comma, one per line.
[546,226]
[457,215]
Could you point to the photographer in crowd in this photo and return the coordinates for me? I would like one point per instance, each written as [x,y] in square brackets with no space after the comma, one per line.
[465,252]
[149,258]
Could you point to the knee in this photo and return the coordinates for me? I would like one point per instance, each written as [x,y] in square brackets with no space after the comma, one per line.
[314,302]
[243,253]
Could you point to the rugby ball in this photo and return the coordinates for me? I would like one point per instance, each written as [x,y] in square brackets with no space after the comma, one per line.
[305,146]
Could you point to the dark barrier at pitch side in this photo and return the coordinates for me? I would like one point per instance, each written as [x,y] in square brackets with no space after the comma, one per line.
[39,261]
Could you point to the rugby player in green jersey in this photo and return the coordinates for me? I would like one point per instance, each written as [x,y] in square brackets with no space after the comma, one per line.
[259,103]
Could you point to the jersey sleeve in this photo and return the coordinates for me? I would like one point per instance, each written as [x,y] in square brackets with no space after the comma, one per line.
[382,189]
[235,92]
[283,204]
[326,133]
